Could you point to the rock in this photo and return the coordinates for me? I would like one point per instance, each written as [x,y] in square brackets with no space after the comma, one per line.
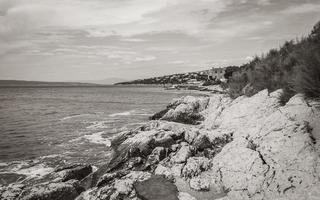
[109,177]
[134,162]
[76,172]
[194,166]
[11,192]
[185,196]
[166,172]
[125,185]
[95,193]
[199,184]
[183,154]
[201,142]
[191,135]
[159,115]
[186,110]
[175,147]
[273,152]
[176,169]
[52,191]
[156,188]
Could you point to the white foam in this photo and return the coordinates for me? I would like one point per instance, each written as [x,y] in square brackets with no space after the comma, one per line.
[50,156]
[97,125]
[35,171]
[94,168]
[97,139]
[131,112]
[3,164]
[121,114]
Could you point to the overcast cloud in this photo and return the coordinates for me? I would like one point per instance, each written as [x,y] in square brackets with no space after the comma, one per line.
[58,40]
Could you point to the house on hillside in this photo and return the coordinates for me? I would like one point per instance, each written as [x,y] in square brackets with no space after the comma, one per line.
[216,73]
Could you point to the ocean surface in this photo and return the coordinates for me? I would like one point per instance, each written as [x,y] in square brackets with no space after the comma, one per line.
[43,127]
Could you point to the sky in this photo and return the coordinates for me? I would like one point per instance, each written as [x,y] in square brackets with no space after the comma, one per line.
[68,40]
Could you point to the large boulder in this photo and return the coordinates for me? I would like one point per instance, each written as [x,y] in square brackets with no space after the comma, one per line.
[52,191]
[185,110]
[274,153]
[77,172]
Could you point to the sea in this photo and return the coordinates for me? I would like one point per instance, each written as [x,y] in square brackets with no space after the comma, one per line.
[45,127]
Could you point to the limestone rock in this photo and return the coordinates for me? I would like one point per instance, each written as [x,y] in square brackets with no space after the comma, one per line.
[77,172]
[162,170]
[195,165]
[52,191]
[186,110]
[197,183]
[11,192]
[183,154]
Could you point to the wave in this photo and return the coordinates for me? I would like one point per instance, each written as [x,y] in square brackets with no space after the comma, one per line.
[127,113]
[75,116]
[99,124]
[131,112]
[29,169]
[97,139]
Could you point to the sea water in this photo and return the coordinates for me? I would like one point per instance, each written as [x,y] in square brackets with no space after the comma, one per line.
[42,127]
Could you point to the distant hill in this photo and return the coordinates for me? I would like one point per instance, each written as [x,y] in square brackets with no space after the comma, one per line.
[181,78]
[169,79]
[108,81]
[20,83]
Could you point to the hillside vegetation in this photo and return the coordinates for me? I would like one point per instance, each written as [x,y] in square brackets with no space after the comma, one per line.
[170,79]
[294,67]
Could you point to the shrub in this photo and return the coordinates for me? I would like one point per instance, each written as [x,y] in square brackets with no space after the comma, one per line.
[307,80]
[294,67]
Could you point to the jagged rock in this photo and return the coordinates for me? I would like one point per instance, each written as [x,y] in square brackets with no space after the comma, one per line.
[159,115]
[95,193]
[108,177]
[185,196]
[76,172]
[156,188]
[157,155]
[195,165]
[125,185]
[175,147]
[52,191]
[273,153]
[176,169]
[197,183]
[162,170]
[201,142]
[11,192]
[191,135]
[186,110]
[182,154]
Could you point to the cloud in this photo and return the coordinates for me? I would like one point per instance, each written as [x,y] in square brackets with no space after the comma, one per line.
[302,8]
[145,58]
[154,36]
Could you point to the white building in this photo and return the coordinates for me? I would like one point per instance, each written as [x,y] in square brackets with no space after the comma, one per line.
[216,73]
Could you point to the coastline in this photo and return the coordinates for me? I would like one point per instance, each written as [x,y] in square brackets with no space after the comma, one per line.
[206,147]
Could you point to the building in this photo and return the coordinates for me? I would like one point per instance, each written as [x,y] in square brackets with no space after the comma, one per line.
[216,73]
[194,82]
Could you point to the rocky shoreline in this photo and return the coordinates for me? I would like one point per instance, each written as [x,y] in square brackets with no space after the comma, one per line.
[201,148]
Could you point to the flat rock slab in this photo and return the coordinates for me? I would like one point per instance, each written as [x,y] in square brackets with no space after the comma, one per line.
[156,188]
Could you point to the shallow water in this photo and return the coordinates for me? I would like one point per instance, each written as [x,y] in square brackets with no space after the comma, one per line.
[57,125]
